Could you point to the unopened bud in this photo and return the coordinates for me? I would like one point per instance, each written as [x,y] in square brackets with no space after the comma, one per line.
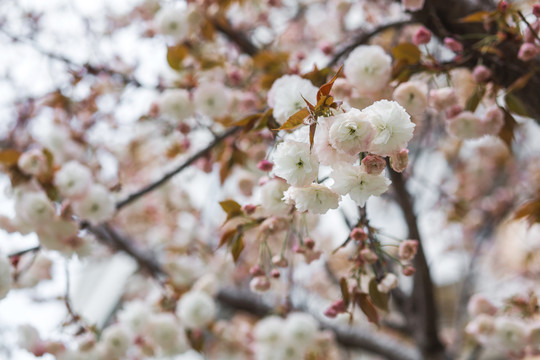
[358,234]
[279,261]
[259,284]
[536,10]
[422,36]
[373,164]
[527,52]
[265,165]
[368,256]
[453,44]
[249,208]
[256,270]
[481,74]
[309,243]
[275,274]
[408,249]
[408,270]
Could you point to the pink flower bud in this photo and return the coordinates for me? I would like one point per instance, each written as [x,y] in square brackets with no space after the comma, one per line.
[368,256]
[358,234]
[259,284]
[422,36]
[453,111]
[249,208]
[408,249]
[298,250]
[412,5]
[536,10]
[309,243]
[503,6]
[442,98]
[279,261]
[481,74]
[399,160]
[527,52]
[275,274]
[330,312]
[373,164]
[408,270]
[453,45]
[326,47]
[265,165]
[479,304]
[256,271]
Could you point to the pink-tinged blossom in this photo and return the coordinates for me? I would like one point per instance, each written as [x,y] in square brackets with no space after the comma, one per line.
[259,284]
[465,125]
[294,162]
[358,234]
[453,44]
[33,162]
[399,160]
[165,331]
[212,99]
[479,304]
[5,276]
[527,52]
[493,121]
[116,340]
[286,93]
[176,104]
[408,249]
[442,98]
[315,198]
[388,282]
[172,22]
[368,256]
[271,197]
[97,205]
[196,309]
[61,235]
[393,127]
[326,153]
[373,164]
[265,165]
[510,333]
[412,5]
[408,270]
[300,329]
[73,179]
[353,180]
[481,74]
[269,331]
[481,328]
[35,208]
[368,68]
[421,36]
[412,95]
[453,111]
[351,132]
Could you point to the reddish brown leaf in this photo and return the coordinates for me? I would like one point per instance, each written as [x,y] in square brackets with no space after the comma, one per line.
[9,157]
[407,52]
[295,120]
[529,211]
[343,285]
[176,55]
[378,298]
[507,132]
[479,16]
[312,129]
[237,246]
[227,237]
[326,88]
[367,307]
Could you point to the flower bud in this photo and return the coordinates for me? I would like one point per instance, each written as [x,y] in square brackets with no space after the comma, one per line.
[368,256]
[481,74]
[279,261]
[442,98]
[259,284]
[256,271]
[408,249]
[453,44]
[399,160]
[536,10]
[358,234]
[275,273]
[249,208]
[479,304]
[527,52]
[373,164]
[309,243]
[422,36]
[408,270]
[265,165]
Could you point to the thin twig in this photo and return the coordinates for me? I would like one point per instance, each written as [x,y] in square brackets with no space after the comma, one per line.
[145,190]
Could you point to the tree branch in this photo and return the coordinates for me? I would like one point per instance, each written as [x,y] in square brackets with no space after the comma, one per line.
[423,299]
[145,190]
[239,38]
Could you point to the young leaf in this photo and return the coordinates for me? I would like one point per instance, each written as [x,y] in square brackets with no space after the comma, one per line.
[326,88]
[515,105]
[378,298]
[295,120]
[407,52]
[237,246]
[367,307]
[478,16]
[507,132]
[9,157]
[312,129]
[345,291]
[176,55]
[227,237]
[231,208]
[475,98]
[520,82]
[529,211]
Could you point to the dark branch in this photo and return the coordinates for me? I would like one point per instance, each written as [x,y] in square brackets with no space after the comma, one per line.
[240,39]
[145,190]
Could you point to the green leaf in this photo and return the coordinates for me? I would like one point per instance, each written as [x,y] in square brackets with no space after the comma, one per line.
[378,298]
[478,16]
[407,52]
[515,105]
[295,120]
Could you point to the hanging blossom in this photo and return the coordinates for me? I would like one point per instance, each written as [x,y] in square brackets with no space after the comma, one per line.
[412,95]
[97,205]
[294,162]
[73,179]
[315,198]
[176,104]
[286,93]
[351,132]
[393,127]
[360,185]
[368,68]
